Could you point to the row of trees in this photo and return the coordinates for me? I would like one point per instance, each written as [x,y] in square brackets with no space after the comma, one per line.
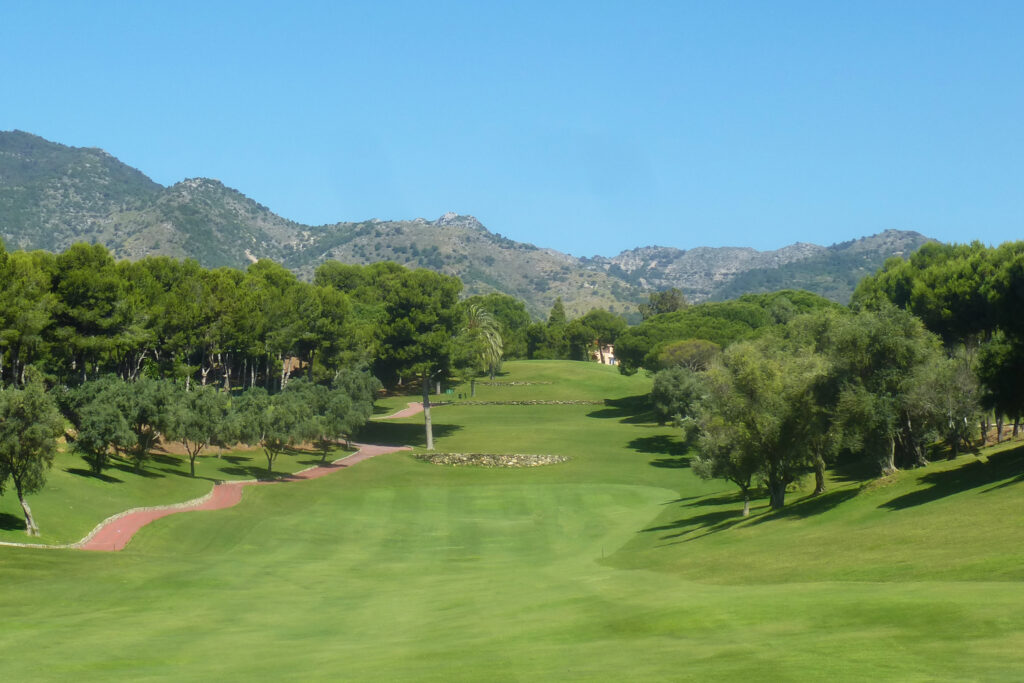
[578,339]
[929,352]
[874,386]
[972,297]
[80,315]
[654,344]
[111,416]
[158,349]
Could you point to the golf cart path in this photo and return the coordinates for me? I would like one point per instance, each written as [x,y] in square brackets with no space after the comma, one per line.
[114,532]
[415,408]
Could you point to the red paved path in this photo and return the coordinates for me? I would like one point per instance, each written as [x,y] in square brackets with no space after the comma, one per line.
[114,533]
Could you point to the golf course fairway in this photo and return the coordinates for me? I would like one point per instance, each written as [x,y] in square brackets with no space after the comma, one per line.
[619,564]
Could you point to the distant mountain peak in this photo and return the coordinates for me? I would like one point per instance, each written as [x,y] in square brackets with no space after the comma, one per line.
[452,218]
[52,195]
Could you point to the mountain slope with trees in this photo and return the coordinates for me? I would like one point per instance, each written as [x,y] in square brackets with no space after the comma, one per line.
[52,196]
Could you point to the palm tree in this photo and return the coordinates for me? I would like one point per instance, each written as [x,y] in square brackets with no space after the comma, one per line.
[482,330]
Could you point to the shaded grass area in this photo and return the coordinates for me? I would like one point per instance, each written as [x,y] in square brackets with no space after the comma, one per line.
[953,520]
[612,566]
[75,499]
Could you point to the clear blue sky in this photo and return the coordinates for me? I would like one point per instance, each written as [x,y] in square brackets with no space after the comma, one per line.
[590,127]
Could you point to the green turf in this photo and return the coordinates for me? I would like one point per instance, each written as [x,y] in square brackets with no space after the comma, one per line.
[616,565]
[74,500]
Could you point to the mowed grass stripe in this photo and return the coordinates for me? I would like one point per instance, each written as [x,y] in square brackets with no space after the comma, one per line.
[396,569]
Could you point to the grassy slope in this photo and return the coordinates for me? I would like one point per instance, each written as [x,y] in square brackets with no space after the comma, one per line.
[74,500]
[605,567]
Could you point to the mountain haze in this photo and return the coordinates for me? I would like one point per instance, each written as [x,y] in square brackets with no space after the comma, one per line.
[52,195]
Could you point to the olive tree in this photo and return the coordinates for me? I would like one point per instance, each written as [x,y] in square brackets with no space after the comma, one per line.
[29,426]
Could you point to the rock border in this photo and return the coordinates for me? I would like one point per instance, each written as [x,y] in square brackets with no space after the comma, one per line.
[490,459]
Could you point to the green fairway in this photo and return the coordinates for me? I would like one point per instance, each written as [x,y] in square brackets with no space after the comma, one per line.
[616,565]
[74,500]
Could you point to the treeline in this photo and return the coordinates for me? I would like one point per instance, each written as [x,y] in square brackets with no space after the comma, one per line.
[80,315]
[134,352]
[774,387]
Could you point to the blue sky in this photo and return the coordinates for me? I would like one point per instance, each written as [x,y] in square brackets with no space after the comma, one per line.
[589,127]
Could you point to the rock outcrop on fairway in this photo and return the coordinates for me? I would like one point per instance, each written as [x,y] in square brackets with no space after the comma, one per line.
[491,459]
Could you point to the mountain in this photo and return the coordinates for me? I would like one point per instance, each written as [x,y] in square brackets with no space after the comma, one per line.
[727,272]
[52,195]
[485,261]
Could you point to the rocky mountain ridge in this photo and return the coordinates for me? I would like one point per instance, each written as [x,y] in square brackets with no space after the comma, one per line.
[52,195]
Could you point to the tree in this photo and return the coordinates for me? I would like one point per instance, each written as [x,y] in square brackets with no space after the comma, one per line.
[334,343]
[147,406]
[945,393]
[1000,367]
[197,419]
[26,312]
[877,357]
[361,388]
[725,454]
[512,318]
[605,328]
[99,410]
[950,287]
[720,322]
[676,394]
[757,416]
[694,354]
[669,301]
[101,428]
[579,339]
[548,340]
[331,409]
[273,422]
[337,411]
[29,426]
[479,344]
[420,320]
[90,314]
[557,315]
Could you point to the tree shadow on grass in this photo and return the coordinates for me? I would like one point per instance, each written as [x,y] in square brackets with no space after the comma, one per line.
[697,526]
[252,472]
[671,463]
[1006,465]
[627,410]
[9,522]
[295,451]
[722,499]
[681,500]
[141,472]
[185,474]
[810,505]
[403,434]
[854,470]
[80,472]
[676,451]
[694,527]
[165,459]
